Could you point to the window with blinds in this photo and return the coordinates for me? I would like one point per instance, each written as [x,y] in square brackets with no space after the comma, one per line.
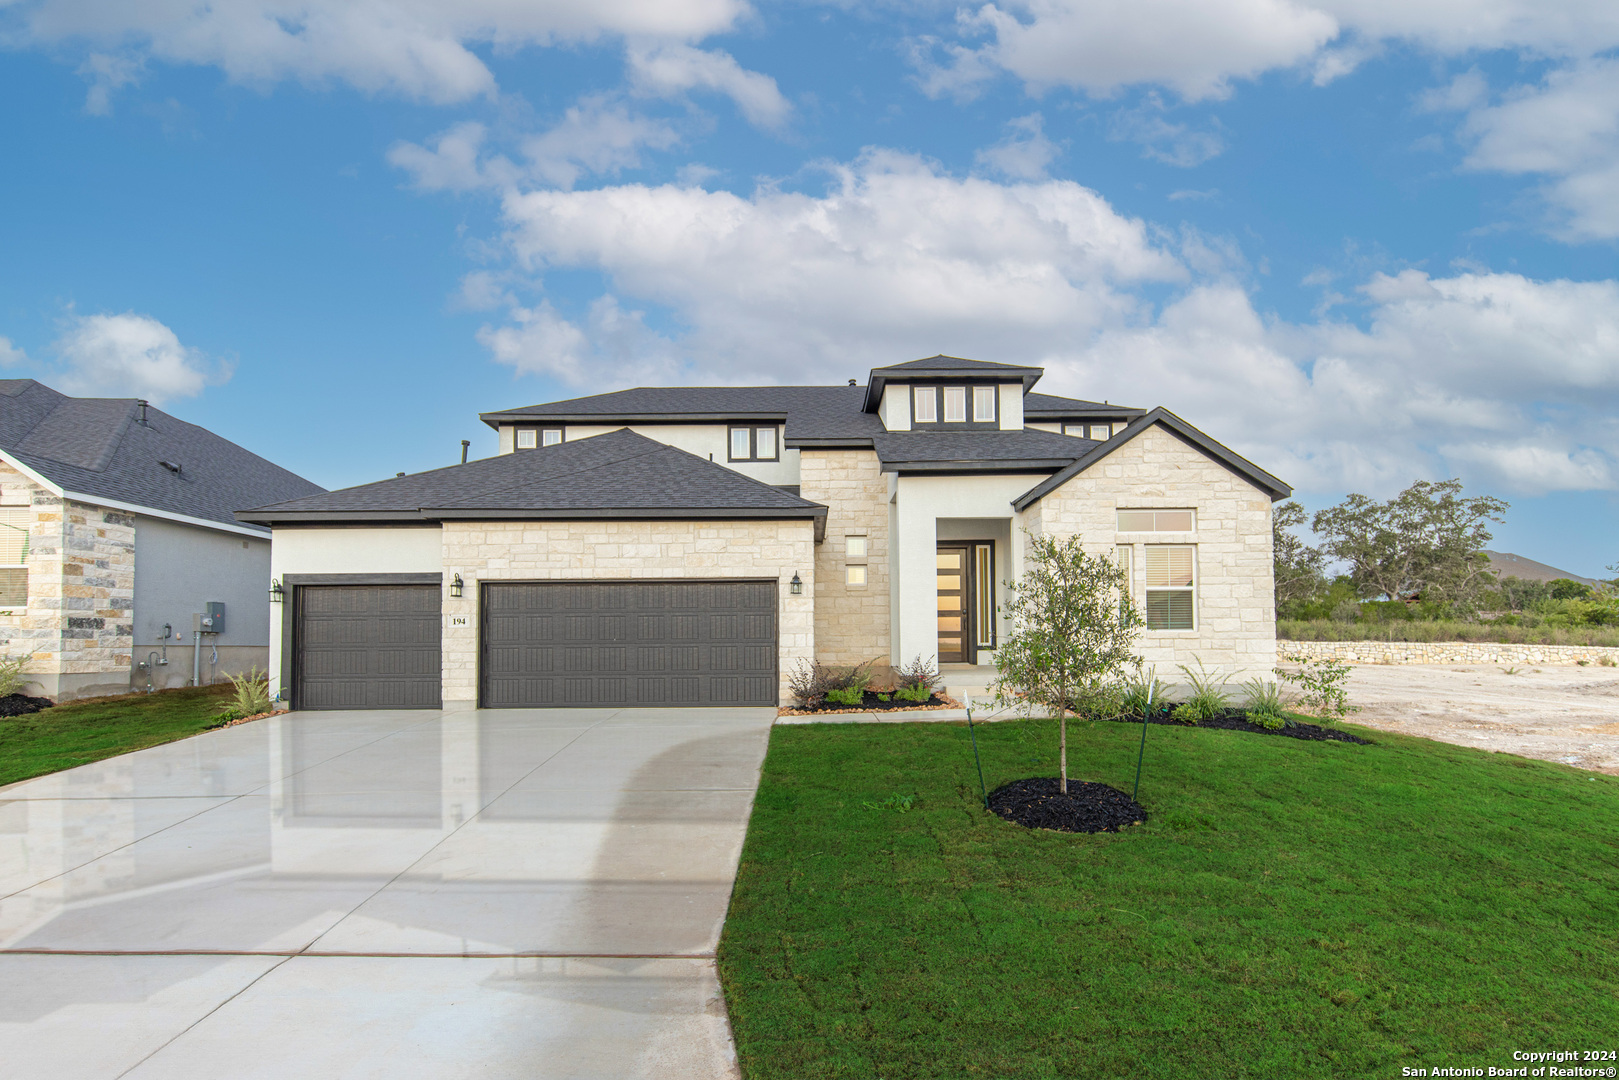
[15,522]
[1171,585]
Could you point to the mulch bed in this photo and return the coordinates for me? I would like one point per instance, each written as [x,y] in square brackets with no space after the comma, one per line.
[1039,803]
[22,704]
[1234,720]
[871,703]
[241,720]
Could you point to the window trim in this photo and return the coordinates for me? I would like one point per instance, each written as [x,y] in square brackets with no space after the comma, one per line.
[983,600]
[931,394]
[994,398]
[22,563]
[946,417]
[517,438]
[1148,590]
[753,441]
[560,433]
[865,542]
[849,572]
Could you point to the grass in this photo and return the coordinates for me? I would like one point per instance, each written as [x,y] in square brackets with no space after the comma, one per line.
[1423,630]
[1290,909]
[80,732]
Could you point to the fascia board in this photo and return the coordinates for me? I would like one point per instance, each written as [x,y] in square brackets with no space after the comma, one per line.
[966,468]
[638,513]
[333,517]
[494,420]
[33,474]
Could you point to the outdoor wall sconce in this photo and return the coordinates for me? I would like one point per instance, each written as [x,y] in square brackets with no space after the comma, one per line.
[796,586]
[277,593]
[455,586]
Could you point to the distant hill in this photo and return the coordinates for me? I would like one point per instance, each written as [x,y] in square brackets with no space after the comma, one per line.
[1507,564]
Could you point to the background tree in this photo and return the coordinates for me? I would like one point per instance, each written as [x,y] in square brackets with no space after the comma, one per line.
[1425,542]
[1073,633]
[1300,569]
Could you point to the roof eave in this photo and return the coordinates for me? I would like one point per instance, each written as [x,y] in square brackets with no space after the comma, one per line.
[495,419]
[1021,465]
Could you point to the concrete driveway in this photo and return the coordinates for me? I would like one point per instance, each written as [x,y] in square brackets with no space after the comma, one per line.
[532,893]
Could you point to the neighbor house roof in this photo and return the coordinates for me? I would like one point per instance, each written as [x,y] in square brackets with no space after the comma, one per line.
[98,450]
[616,475]
[1177,427]
[1028,450]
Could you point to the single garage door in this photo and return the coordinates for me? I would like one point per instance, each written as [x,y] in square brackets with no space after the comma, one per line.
[629,643]
[367,647]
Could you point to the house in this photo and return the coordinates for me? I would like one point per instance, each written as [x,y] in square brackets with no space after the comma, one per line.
[116,529]
[691,545]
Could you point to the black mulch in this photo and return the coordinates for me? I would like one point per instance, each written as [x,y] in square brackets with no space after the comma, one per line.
[1234,720]
[22,704]
[870,703]
[1091,808]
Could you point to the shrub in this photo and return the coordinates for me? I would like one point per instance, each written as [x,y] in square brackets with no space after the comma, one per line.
[1264,704]
[1136,689]
[12,677]
[1556,628]
[1208,698]
[846,696]
[814,681]
[1325,683]
[918,672]
[914,693]
[250,696]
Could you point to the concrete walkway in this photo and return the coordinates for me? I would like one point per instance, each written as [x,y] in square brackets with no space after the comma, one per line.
[506,893]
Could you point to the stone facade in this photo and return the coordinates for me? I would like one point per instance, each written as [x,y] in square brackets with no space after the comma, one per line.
[1446,652]
[77,628]
[1235,599]
[852,622]
[619,550]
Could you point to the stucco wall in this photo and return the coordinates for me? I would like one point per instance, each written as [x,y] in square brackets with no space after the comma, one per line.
[1235,606]
[178,569]
[584,550]
[851,621]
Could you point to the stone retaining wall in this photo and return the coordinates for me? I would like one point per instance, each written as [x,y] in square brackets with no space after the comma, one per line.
[1447,652]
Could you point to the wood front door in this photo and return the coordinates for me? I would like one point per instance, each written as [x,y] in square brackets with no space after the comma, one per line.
[955,607]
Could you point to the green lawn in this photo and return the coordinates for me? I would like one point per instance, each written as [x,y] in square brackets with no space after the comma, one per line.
[1290,909]
[84,731]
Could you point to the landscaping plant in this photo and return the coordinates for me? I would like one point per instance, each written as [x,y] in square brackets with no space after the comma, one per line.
[813,682]
[1263,705]
[1141,688]
[1208,698]
[12,676]
[1325,683]
[250,696]
[916,680]
[1073,633]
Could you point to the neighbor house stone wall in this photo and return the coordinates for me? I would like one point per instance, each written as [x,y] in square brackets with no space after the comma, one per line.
[1446,652]
[607,550]
[852,622]
[1235,593]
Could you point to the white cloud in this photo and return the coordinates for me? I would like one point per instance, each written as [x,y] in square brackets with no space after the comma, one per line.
[415,48]
[130,355]
[10,354]
[1161,140]
[670,69]
[1024,154]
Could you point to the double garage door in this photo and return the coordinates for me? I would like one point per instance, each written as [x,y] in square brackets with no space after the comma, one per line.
[543,644]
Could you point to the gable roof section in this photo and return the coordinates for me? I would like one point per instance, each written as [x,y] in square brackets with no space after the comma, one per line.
[1050,407]
[94,450]
[616,475]
[812,415]
[945,367]
[1181,430]
[935,451]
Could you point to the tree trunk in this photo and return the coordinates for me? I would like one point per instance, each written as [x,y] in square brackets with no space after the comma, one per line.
[1062,738]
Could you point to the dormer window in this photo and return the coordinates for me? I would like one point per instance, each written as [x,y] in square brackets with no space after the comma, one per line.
[754,444]
[529,438]
[984,404]
[955,404]
[927,405]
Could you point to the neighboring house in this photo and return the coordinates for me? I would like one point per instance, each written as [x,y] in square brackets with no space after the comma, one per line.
[692,545]
[115,526]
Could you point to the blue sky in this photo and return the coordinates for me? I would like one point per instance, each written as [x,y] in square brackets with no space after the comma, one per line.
[1362,243]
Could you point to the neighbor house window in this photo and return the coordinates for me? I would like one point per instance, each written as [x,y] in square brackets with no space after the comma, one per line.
[955,404]
[1157,520]
[550,436]
[14,524]
[753,444]
[984,404]
[527,438]
[1171,583]
[927,405]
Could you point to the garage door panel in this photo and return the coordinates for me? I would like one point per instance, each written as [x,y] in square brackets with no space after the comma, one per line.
[623,643]
[367,647]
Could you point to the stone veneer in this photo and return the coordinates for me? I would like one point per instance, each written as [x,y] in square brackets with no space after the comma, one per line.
[78,626]
[621,550]
[852,622]
[1445,652]
[1235,614]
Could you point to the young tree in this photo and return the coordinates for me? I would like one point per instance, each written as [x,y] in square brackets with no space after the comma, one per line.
[1073,632]
[1300,569]
[1427,541]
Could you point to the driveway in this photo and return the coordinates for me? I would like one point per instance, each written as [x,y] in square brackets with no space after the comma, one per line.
[513,893]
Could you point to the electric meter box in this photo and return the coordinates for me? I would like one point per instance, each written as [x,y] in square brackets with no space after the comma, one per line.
[212,619]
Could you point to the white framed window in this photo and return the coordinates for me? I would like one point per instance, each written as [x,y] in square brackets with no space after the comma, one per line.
[926,400]
[984,594]
[527,438]
[854,575]
[1171,586]
[15,522]
[1157,520]
[955,404]
[856,547]
[550,436]
[753,443]
[1101,432]
[764,443]
[984,404]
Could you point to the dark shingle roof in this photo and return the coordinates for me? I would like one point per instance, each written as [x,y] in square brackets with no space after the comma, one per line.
[946,367]
[619,474]
[1049,407]
[979,451]
[942,362]
[94,447]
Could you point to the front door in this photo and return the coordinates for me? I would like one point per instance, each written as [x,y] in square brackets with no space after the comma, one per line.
[955,610]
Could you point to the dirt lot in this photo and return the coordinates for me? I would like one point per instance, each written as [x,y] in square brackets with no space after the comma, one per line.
[1566,714]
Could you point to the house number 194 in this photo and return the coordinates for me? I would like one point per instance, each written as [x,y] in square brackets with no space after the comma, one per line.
[458,620]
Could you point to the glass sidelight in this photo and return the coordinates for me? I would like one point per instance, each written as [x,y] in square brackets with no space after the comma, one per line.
[954,644]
